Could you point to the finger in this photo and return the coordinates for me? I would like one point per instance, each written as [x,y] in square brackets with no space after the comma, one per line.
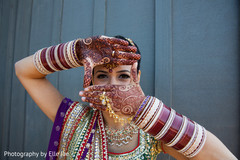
[127,55]
[87,74]
[94,94]
[99,107]
[125,48]
[106,88]
[113,40]
[123,61]
[92,100]
[107,51]
[134,72]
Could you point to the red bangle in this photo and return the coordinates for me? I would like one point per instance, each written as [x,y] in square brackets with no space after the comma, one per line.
[173,130]
[162,119]
[53,59]
[61,56]
[44,61]
[186,136]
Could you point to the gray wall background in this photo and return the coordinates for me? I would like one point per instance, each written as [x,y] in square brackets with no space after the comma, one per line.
[190,59]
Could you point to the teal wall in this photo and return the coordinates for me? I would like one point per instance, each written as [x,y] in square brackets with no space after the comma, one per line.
[190,52]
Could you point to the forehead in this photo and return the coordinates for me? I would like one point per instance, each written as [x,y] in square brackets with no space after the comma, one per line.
[118,68]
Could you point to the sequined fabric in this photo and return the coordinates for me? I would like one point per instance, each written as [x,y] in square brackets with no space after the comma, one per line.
[77,132]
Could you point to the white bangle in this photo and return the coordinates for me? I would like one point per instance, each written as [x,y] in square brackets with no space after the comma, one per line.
[167,125]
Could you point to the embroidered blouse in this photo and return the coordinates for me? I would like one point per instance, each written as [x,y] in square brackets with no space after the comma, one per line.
[78,133]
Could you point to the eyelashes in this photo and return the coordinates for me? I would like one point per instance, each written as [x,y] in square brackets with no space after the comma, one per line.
[124,76]
[121,76]
[102,76]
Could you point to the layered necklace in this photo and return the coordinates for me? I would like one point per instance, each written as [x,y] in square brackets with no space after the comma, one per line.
[122,136]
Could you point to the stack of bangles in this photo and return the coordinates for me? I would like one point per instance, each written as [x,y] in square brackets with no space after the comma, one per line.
[57,58]
[173,129]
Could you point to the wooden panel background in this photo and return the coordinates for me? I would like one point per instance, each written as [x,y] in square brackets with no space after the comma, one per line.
[190,52]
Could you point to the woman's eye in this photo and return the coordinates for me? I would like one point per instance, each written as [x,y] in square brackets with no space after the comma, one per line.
[124,76]
[101,76]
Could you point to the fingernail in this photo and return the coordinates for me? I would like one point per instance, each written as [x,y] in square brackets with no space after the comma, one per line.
[81,93]
[83,98]
[86,89]
[90,104]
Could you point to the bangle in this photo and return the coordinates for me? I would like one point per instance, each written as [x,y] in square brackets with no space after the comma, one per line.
[160,121]
[66,55]
[179,133]
[56,58]
[149,115]
[52,57]
[48,59]
[167,125]
[74,53]
[145,111]
[190,143]
[37,63]
[171,128]
[62,57]
[186,136]
[140,108]
[154,118]
[43,60]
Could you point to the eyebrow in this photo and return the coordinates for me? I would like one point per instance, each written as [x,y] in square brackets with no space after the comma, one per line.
[123,71]
[101,71]
[117,71]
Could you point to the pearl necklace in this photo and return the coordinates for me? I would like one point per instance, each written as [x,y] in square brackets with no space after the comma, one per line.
[122,136]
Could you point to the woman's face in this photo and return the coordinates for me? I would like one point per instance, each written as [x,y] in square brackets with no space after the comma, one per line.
[121,75]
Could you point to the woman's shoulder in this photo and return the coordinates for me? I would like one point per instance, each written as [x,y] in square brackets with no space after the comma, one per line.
[76,109]
[71,110]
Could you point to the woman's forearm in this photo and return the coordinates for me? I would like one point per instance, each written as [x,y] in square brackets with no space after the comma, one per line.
[214,149]
[178,132]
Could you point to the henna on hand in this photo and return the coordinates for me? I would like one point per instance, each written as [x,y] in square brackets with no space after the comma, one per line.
[98,50]
[123,99]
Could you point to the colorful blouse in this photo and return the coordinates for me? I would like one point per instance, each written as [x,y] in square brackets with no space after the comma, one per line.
[78,133]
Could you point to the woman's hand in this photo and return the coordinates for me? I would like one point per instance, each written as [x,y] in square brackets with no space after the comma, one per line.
[99,50]
[123,99]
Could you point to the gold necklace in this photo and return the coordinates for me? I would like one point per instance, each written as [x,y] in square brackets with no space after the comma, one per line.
[122,136]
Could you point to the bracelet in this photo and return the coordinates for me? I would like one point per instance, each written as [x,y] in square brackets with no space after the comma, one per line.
[179,133]
[56,58]
[143,113]
[140,108]
[150,114]
[140,123]
[154,118]
[170,127]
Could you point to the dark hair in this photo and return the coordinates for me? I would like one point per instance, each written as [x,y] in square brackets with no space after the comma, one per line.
[130,44]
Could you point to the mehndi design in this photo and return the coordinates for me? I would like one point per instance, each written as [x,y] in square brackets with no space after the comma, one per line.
[99,50]
[123,99]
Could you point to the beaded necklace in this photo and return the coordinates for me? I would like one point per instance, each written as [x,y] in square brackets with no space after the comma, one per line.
[122,136]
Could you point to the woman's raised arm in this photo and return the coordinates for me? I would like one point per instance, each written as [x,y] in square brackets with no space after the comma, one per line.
[44,94]
[89,52]
[213,149]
